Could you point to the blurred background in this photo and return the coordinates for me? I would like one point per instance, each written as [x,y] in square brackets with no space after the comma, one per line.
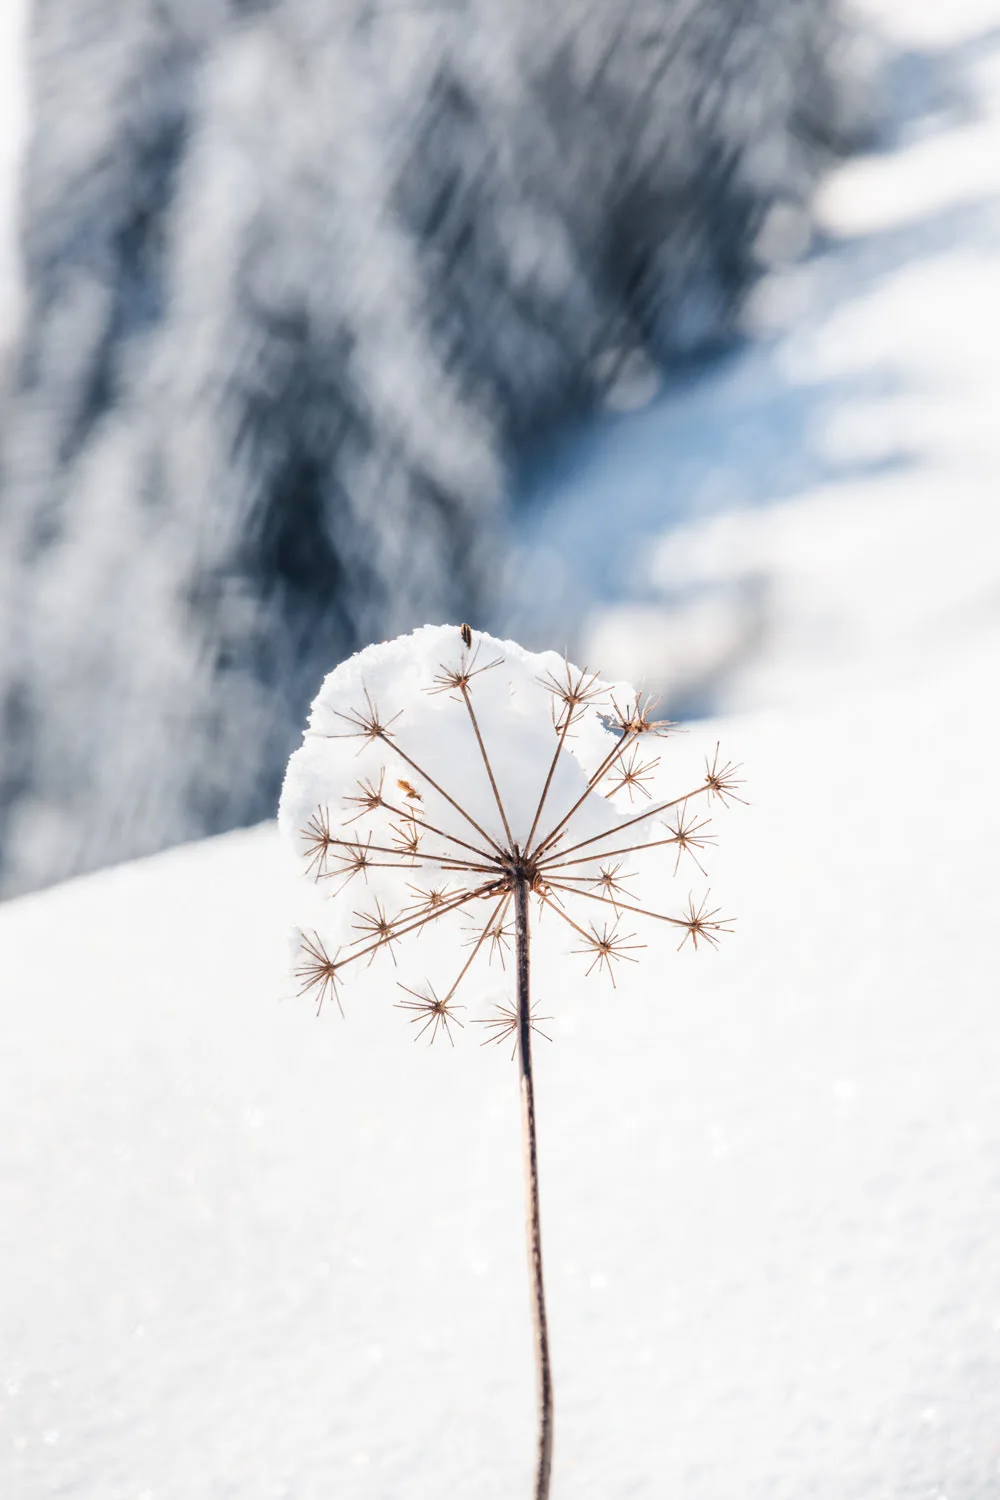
[664,333]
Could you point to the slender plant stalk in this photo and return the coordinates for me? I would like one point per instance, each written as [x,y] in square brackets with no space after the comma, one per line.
[544,866]
[542,1366]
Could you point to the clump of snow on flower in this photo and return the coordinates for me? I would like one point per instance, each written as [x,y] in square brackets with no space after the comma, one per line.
[428,760]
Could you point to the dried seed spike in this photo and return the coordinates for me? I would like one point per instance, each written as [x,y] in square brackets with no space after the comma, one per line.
[720,781]
[633,776]
[504,1023]
[560,724]
[369,797]
[497,933]
[573,691]
[688,837]
[320,972]
[406,836]
[610,881]
[457,679]
[465,631]
[634,718]
[433,1010]
[608,948]
[573,694]
[319,840]
[355,858]
[378,926]
[702,923]
[366,723]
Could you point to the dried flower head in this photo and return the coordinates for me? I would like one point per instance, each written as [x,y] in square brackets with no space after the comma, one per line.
[440,816]
[456,815]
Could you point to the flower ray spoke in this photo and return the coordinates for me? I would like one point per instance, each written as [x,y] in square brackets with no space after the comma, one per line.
[555,864]
[651,812]
[500,906]
[407,815]
[417,923]
[610,880]
[438,856]
[552,903]
[573,694]
[498,933]
[639,911]
[449,799]
[489,769]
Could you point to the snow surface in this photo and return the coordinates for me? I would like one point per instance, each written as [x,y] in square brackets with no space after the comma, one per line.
[249,1252]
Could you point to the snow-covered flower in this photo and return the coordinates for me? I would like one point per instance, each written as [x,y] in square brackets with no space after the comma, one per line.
[440,769]
[454,783]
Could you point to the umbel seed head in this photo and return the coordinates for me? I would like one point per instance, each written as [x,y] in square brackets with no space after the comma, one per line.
[429,789]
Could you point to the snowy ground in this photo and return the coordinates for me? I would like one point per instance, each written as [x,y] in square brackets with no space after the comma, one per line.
[248,1253]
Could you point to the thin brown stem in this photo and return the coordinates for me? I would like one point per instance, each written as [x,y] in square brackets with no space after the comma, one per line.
[604,854]
[489,768]
[608,833]
[601,771]
[437,859]
[640,911]
[534,1226]
[418,922]
[410,815]
[440,789]
[548,780]
[501,904]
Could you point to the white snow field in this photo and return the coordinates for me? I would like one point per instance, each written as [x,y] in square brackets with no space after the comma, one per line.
[249,1253]
[826,505]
